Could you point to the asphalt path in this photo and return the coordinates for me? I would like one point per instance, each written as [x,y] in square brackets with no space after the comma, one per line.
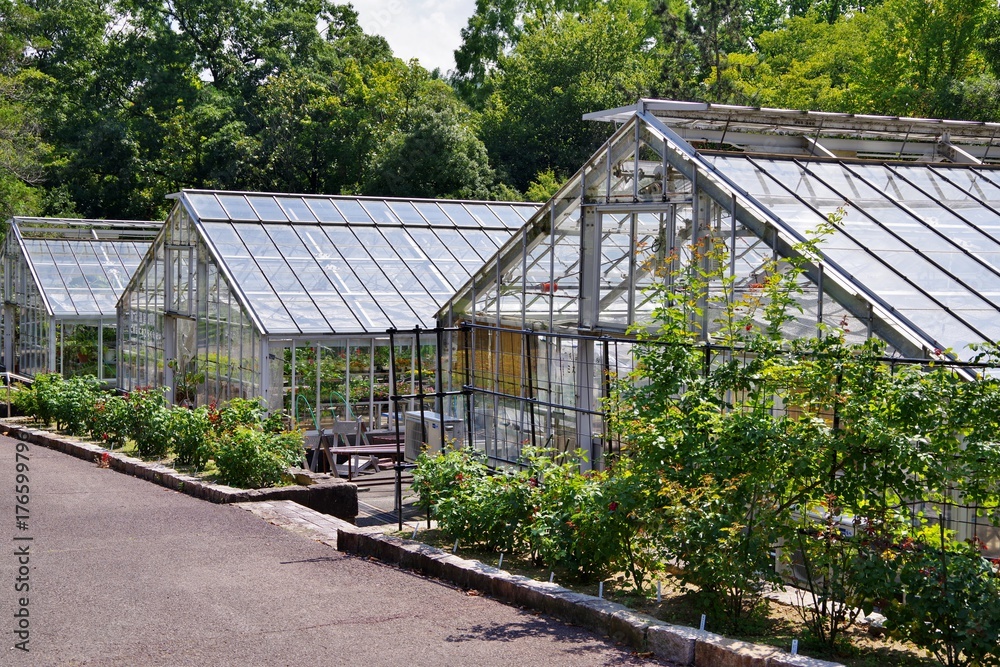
[124,572]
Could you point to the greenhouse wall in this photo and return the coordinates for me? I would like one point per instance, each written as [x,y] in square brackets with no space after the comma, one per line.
[29,342]
[182,326]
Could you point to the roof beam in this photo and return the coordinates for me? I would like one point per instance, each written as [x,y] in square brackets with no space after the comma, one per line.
[954,153]
[816,148]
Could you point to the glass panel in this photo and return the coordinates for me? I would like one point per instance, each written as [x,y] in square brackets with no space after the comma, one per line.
[380,212]
[271,313]
[325,210]
[296,209]
[249,275]
[932,184]
[353,211]
[459,215]
[374,280]
[257,241]
[307,317]
[401,243]
[428,276]
[206,206]
[499,237]
[454,272]
[368,311]
[225,239]
[280,276]
[267,208]
[399,310]
[485,215]
[338,314]
[428,243]
[317,243]
[345,242]
[311,276]
[286,241]
[407,213]
[509,215]
[372,240]
[237,207]
[342,277]
[433,213]
[456,242]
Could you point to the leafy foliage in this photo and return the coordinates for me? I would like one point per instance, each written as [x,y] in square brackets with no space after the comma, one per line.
[111,421]
[951,603]
[250,447]
[190,431]
[763,441]
[67,402]
[579,524]
[252,458]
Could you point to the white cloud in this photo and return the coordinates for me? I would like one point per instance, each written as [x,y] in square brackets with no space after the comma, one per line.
[429,30]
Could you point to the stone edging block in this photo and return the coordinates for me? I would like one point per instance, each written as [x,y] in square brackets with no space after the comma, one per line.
[676,644]
[336,497]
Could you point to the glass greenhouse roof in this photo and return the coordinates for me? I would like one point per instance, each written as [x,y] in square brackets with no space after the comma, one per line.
[82,266]
[315,265]
[915,259]
[922,239]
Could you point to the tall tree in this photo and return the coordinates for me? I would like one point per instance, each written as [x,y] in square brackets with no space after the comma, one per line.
[435,153]
[560,70]
[903,57]
[700,33]
[22,152]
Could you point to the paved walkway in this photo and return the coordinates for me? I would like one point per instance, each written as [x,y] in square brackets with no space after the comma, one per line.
[123,572]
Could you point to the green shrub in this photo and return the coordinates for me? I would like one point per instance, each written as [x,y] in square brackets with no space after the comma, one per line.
[150,425]
[250,458]
[236,413]
[190,432]
[487,510]
[582,524]
[41,403]
[951,606]
[24,401]
[438,474]
[579,523]
[72,402]
[111,421]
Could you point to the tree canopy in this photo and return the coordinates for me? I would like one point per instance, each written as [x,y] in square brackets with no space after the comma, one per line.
[108,105]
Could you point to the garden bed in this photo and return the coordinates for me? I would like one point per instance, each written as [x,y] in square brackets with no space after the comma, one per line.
[677,607]
[332,496]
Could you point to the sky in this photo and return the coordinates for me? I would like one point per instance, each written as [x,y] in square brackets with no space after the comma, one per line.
[428,30]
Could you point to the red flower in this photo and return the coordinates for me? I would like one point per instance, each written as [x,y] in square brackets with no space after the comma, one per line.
[459,477]
[749,327]
[533,481]
[613,506]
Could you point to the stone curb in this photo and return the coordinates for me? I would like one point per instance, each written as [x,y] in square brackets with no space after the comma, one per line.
[676,644]
[336,497]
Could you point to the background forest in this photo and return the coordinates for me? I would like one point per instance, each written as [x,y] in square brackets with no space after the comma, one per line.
[108,105]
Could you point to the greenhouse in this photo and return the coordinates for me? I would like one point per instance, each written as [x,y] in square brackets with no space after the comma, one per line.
[912,254]
[61,283]
[314,304]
